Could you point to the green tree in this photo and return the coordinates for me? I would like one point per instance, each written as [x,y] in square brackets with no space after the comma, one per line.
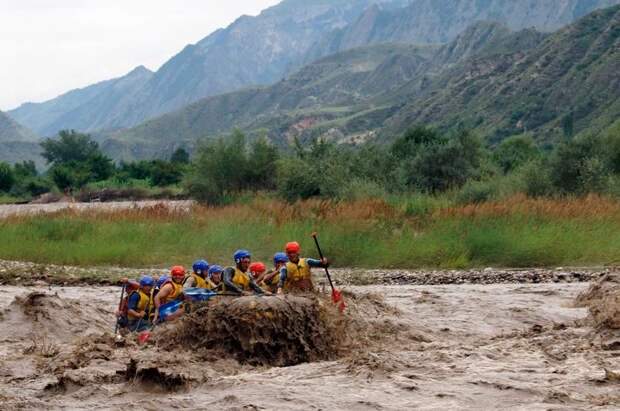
[180,156]
[25,169]
[100,166]
[7,177]
[262,169]
[70,174]
[71,146]
[570,160]
[514,152]
[165,173]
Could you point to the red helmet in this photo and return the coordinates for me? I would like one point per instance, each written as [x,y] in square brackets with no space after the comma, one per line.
[177,270]
[292,247]
[257,267]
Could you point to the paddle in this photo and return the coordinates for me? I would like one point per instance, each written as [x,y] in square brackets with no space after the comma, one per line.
[198,294]
[120,304]
[164,311]
[336,296]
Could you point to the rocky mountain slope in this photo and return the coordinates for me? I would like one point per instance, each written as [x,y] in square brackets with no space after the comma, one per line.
[263,49]
[17,142]
[493,80]
[252,50]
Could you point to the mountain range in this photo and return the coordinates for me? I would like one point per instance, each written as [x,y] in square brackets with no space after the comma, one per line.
[270,46]
[490,79]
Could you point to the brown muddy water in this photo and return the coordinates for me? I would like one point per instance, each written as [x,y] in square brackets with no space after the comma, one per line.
[495,346]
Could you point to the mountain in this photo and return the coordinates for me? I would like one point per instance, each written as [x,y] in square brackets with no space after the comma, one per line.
[252,50]
[11,130]
[572,77]
[268,47]
[440,21]
[493,80]
[18,143]
[85,109]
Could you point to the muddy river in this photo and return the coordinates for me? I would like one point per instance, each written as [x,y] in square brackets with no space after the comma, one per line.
[494,346]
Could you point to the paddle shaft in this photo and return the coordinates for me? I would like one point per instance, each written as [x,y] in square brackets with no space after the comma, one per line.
[120,304]
[318,247]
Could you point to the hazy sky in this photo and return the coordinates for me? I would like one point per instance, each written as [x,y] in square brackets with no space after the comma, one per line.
[48,47]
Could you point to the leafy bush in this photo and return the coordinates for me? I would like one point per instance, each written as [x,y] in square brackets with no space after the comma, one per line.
[514,152]
[570,166]
[7,177]
[534,179]
[477,192]
[165,174]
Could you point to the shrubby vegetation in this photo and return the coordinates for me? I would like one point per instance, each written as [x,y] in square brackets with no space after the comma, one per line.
[79,167]
[422,161]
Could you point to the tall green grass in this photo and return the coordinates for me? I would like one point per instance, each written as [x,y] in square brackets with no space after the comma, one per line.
[407,233]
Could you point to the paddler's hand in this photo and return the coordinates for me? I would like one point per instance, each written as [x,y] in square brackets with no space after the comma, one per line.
[246,293]
[324,262]
[142,314]
[280,291]
[124,280]
[268,293]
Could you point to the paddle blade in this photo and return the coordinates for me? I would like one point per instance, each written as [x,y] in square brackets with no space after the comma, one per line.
[338,300]
[145,336]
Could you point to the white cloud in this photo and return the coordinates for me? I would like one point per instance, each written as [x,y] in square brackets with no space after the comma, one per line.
[49,47]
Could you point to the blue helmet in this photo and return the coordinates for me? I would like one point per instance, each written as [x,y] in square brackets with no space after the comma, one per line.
[200,267]
[241,254]
[215,269]
[161,281]
[146,280]
[280,258]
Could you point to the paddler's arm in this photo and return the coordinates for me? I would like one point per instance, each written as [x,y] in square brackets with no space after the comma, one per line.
[317,263]
[163,293]
[257,288]
[227,277]
[190,282]
[133,306]
[281,280]
[269,276]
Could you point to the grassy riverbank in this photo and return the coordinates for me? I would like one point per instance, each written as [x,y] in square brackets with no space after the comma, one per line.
[408,233]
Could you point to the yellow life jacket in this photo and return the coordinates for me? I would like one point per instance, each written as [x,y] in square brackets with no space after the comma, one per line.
[240,279]
[178,289]
[200,282]
[143,305]
[298,275]
[271,285]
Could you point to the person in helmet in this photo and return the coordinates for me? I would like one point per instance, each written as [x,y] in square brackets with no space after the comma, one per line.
[270,281]
[171,290]
[214,281]
[237,280]
[140,303]
[121,314]
[295,275]
[257,271]
[198,278]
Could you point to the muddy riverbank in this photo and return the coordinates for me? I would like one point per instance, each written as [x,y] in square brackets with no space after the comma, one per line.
[448,346]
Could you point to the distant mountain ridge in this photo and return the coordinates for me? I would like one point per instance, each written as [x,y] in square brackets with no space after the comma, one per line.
[18,143]
[490,79]
[252,50]
[259,50]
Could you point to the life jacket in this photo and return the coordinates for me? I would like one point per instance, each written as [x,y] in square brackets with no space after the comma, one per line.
[211,285]
[176,294]
[125,302]
[200,282]
[298,276]
[271,285]
[240,279]
[143,305]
